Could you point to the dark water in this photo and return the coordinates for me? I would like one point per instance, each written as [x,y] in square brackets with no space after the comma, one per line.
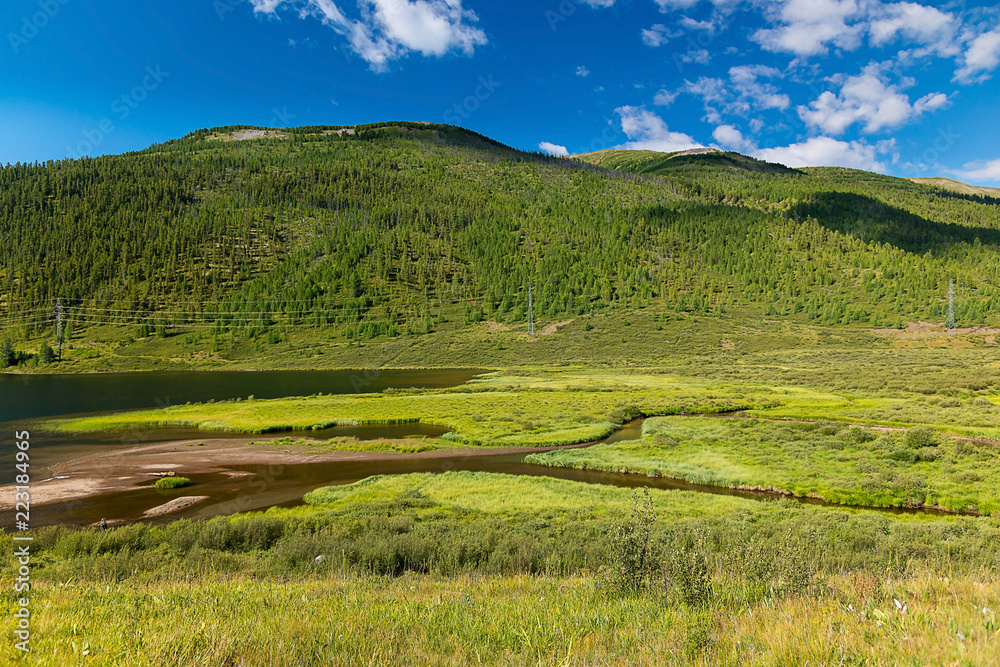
[32,396]
[27,398]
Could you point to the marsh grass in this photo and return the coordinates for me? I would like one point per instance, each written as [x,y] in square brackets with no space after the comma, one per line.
[847,465]
[172,482]
[541,409]
[347,444]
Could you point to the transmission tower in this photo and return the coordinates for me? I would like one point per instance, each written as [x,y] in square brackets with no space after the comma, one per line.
[531,313]
[59,326]
[951,304]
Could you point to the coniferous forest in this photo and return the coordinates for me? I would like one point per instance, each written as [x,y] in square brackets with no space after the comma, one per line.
[374,231]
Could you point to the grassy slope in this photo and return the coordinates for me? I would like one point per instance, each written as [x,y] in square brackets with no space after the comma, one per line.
[957,186]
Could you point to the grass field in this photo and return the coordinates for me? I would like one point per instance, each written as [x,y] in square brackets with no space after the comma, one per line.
[472,568]
[476,568]
[539,409]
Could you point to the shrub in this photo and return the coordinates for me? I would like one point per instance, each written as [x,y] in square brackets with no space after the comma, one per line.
[46,355]
[929,454]
[686,570]
[904,456]
[624,413]
[921,436]
[172,482]
[630,559]
[859,434]
[241,533]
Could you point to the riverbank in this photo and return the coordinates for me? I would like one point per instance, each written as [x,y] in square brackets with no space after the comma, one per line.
[131,468]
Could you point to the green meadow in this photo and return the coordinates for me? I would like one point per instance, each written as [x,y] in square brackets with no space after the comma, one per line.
[475,568]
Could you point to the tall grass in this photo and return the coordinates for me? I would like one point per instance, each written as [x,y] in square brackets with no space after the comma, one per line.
[408,570]
[848,465]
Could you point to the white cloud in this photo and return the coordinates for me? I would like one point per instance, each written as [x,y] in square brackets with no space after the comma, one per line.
[582,71]
[867,99]
[824,152]
[700,56]
[930,102]
[391,29]
[918,23]
[743,93]
[692,24]
[807,26]
[671,5]
[980,171]
[648,131]
[730,138]
[658,35]
[667,6]
[553,149]
[664,98]
[981,56]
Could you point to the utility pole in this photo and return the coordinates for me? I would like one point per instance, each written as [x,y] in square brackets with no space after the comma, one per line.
[951,305]
[531,314]
[59,326]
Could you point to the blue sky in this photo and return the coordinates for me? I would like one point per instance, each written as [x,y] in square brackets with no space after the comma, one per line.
[897,87]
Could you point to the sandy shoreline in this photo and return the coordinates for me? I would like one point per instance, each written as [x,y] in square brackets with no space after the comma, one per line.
[133,467]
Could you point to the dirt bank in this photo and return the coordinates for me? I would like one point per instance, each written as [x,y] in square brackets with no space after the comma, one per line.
[125,469]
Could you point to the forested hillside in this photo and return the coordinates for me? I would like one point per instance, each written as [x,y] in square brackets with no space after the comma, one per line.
[379,229]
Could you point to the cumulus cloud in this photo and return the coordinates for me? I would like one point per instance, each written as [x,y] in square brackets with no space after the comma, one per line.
[809,27]
[730,138]
[806,27]
[553,149]
[647,131]
[390,29]
[658,35]
[981,56]
[745,91]
[918,23]
[866,99]
[824,152]
[980,171]
[582,71]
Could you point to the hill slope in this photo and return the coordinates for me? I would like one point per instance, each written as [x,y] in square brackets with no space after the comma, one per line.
[384,229]
[957,186]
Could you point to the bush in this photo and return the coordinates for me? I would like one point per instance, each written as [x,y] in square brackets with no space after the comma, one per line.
[921,436]
[624,413]
[904,456]
[859,434]
[46,355]
[241,533]
[172,482]
[686,570]
[929,454]
[8,355]
[630,559]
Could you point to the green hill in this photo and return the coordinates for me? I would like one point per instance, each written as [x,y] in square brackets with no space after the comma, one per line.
[389,229]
